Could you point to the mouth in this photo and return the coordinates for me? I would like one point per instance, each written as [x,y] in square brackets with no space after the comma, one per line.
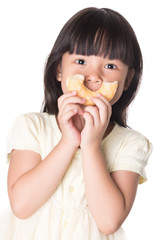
[91,86]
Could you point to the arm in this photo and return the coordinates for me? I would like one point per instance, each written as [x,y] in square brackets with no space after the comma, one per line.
[109,196]
[31,181]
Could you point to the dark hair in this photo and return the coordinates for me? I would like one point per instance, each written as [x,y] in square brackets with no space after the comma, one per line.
[100,32]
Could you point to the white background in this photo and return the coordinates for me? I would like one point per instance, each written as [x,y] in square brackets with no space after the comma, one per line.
[28,30]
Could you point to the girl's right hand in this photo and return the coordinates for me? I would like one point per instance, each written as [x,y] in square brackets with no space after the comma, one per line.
[69,104]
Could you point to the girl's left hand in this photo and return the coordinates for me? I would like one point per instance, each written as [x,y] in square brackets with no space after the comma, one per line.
[97,119]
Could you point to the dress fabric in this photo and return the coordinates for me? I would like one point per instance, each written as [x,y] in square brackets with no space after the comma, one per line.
[66,216]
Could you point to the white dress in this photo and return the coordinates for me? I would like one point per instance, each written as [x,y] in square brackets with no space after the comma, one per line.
[66,216]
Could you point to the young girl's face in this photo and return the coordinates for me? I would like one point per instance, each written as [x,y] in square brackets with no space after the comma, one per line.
[96,70]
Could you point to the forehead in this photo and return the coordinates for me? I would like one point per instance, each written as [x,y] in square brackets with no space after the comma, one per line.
[102,40]
[101,32]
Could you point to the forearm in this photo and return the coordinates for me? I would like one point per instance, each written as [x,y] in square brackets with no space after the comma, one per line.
[35,187]
[105,200]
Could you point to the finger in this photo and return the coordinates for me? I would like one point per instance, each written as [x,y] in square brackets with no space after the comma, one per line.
[65,95]
[68,115]
[69,99]
[94,111]
[88,119]
[104,107]
[72,106]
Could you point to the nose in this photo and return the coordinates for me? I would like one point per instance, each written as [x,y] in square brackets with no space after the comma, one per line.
[93,81]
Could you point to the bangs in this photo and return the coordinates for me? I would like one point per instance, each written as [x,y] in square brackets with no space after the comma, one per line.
[96,34]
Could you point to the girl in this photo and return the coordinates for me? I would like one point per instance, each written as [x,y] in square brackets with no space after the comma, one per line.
[74,169]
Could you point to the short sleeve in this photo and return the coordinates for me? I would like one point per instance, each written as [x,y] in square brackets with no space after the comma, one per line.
[23,135]
[133,155]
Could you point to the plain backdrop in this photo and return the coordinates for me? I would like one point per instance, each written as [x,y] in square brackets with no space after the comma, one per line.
[28,30]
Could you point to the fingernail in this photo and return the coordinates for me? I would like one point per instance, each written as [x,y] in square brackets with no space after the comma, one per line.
[98,94]
[83,99]
[74,92]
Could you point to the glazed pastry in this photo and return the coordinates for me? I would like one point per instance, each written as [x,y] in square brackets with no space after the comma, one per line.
[76,83]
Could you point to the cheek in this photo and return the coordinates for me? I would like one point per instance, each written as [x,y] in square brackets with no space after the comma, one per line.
[63,82]
[63,86]
[118,94]
[120,89]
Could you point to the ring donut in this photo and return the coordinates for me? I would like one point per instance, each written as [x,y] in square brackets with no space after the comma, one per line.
[76,83]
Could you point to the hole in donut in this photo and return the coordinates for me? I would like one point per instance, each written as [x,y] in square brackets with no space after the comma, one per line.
[92,86]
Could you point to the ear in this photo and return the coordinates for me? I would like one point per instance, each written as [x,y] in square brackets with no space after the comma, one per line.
[59,73]
[129,77]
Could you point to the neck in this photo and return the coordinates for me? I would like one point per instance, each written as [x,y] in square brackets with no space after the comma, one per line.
[109,129]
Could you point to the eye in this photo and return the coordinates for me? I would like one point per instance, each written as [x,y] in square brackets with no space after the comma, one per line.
[110,66]
[81,62]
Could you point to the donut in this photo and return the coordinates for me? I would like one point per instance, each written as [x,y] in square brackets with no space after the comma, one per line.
[76,83]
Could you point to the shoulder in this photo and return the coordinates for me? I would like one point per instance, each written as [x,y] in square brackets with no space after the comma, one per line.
[35,116]
[127,141]
[131,151]
[133,141]
[33,122]
[35,119]
[129,134]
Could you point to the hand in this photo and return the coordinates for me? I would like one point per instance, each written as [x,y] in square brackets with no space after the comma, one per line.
[69,105]
[97,119]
